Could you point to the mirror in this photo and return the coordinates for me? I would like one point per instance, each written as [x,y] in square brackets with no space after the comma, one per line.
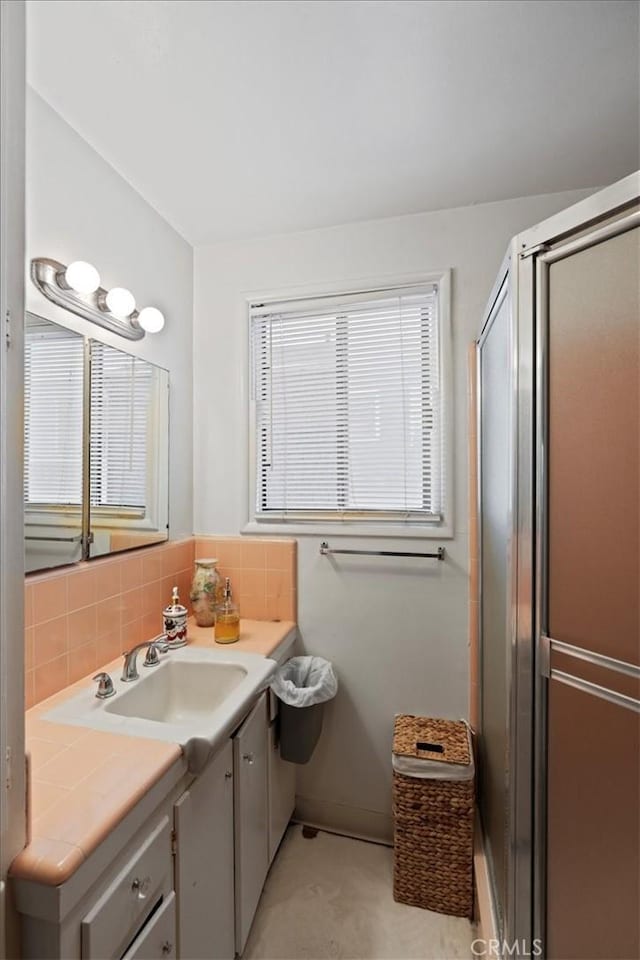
[128,451]
[53,444]
[96,420]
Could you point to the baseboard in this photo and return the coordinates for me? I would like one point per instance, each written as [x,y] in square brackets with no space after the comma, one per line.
[345,820]
[486,919]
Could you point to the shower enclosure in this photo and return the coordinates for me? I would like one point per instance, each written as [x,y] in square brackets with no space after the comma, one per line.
[559,525]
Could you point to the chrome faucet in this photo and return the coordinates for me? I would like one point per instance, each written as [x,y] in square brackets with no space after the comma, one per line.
[156,646]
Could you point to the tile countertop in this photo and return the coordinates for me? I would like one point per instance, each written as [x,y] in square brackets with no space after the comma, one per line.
[83,782]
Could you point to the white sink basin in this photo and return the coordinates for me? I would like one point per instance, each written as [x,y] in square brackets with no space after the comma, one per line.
[194,697]
[178,692]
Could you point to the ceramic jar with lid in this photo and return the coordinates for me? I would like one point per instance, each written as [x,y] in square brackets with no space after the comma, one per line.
[174,621]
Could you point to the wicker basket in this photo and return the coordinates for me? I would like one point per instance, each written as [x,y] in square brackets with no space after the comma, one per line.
[433,816]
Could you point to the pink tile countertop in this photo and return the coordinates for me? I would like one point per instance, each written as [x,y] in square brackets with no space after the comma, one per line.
[84,782]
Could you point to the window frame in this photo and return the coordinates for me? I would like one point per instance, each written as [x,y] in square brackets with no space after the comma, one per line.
[330,525]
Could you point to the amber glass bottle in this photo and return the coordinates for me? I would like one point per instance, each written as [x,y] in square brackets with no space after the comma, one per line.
[227,628]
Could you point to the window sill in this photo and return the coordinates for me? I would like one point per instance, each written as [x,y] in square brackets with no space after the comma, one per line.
[319,528]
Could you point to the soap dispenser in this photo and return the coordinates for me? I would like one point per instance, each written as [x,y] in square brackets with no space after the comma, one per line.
[227,628]
[174,618]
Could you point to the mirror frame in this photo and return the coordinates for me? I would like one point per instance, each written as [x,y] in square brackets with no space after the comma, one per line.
[162,484]
[86,535]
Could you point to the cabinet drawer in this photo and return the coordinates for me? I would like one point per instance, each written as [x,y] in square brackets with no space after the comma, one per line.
[157,941]
[113,921]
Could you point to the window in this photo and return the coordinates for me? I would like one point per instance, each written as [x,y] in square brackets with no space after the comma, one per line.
[348,408]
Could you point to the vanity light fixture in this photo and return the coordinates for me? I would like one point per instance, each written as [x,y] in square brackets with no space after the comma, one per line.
[81,277]
[121,302]
[151,319]
[77,288]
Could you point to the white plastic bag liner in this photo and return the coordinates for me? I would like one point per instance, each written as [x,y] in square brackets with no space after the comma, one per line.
[425,769]
[304,681]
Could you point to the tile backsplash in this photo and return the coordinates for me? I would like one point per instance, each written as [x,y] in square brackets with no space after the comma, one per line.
[80,617]
[262,573]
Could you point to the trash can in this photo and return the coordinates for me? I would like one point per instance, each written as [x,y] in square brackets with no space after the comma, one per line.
[433,812]
[303,685]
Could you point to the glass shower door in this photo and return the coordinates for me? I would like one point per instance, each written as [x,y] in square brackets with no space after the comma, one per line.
[495,469]
[591,605]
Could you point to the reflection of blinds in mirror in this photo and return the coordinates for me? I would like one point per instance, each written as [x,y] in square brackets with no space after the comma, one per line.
[121,388]
[53,417]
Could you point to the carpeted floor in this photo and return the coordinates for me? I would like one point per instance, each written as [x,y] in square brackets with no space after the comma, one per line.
[332,897]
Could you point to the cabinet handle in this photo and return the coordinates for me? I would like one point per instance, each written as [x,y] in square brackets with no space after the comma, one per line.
[141,887]
[249,757]
[166,948]
[228,775]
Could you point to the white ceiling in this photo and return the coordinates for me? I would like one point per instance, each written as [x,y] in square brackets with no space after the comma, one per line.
[236,119]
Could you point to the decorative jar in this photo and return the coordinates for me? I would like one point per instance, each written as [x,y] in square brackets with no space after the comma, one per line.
[207,591]
[174,621]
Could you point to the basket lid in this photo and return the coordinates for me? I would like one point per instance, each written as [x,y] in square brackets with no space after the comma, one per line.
[445,741]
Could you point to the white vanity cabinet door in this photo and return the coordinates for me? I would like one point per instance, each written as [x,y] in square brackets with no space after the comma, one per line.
[282,790]
[114,918]
[157,941]
[204,863]
[251,817]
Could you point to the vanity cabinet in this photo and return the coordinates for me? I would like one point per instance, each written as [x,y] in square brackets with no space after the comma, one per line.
[181,875]
[204,869]
[120,903]
[119,914]
[251,817]
[281,782]
[228,826]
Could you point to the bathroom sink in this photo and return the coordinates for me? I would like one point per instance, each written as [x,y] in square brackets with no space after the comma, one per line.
[195,697]
[178,692]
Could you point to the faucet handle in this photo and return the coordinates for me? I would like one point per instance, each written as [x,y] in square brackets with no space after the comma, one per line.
[159,645]
[105,686]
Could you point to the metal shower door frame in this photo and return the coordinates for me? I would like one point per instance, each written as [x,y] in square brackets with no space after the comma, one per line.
[519,614]
[524,271]
[607,213]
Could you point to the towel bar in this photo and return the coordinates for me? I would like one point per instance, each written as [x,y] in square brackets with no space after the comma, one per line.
[326,550]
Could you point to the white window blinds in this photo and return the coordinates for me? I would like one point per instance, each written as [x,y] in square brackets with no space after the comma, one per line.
[348,415]
[121,387]
[54,362]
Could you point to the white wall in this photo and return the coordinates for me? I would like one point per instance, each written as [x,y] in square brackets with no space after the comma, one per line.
[79,208]
[396,631]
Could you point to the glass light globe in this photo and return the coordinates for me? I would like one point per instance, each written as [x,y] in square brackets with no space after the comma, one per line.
[120,301]
[151,319]
[82,277]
